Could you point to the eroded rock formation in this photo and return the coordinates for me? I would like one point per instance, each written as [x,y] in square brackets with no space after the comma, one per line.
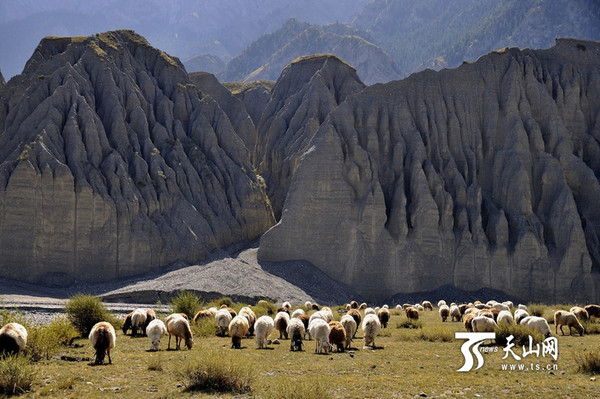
[483,176]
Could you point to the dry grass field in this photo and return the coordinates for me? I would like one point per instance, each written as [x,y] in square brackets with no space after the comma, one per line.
[408,362]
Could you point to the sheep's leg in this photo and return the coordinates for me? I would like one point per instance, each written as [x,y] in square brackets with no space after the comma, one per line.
[169,345]
[109,361]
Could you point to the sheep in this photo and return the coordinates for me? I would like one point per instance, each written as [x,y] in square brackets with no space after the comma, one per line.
[232,312]
[427,305]
[482,306]
[384,317]
[386,306]
[520,314]
[593,310]
[238,328]
[536,323]
[412,313]
[467,321]
[564,318]
[251,317]
[418,307]
[307,305]
[472,310]
[376,309]
[103,339]
[319,329]
[501,306]
[491,303]
[477,302]
[127,323]
[13,339]
[337,335]
[138,319]
[362,306]
[353,305]
[483,324]
[204,314]
[463,308]
[223,318]
[505,317]
[371,327]
[369,311]
[287,305]
[296,330]
[155,330]
[522,307]
[315,306]
[440,303]
[444,311]
[510,304]
[262,330]
[406,305]
[350,326]
[455,313]
[150,315]
[580,312]
[486,313]
[328,313]
[305,319]
[297,313]
[281,322]
[179,326]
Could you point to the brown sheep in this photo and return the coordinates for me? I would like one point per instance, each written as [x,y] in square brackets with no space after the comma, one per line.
[127,323]
[427,305]
[412,313]
[150,315]
[406,305]
[357,318]
[384,317]
[444,312]
[564,318]
[486,313]
[315,307]
[580,312]
[179,326]
[353,305]
[593,310]
[103,338]
[337,335]
[463,308]
[203,314]
[281,322]
[467,321]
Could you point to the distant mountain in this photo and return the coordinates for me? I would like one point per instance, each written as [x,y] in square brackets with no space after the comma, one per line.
[439,33]
[204,63]
[267,56]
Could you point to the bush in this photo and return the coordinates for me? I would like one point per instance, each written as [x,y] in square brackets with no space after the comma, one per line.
[206,327]
[16,375]
[590,327]
[536,309]
[298,389]
[588,362]
[520,335]
[45,340]
[86,310]
[438,333]
[225,300]
[185,302]
[405,322]
[215,372]
[11,316]
[264,308]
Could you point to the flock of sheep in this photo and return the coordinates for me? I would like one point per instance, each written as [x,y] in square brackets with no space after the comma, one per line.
[295,325]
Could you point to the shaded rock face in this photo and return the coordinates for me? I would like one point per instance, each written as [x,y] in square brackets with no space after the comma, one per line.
[2,81]
[483,176]
[255,95]
[307,91]
[112,163]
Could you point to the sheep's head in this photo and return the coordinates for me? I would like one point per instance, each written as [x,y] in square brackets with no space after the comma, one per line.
[155,343]
[581,330]
[189,343]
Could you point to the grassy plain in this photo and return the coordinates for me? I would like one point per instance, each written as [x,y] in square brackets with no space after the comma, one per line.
[409,362]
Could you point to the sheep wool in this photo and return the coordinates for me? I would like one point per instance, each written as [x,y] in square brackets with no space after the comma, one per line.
[538,324]
[156,330]
[262,330]
[295,330]
[179,326]
[13,339]
[371,326]
[337,335]
[238,328]
[281,322]
[138,319]
[319,331]
[103,339]
[564,318]
[350,326]
[223,318]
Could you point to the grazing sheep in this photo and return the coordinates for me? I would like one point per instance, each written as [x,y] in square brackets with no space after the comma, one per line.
[317,315]
[483,324]
[491,303]
[486,313]
[232,312]
[204,314]
[501,306]
[297,312]
[295,331]
[520,314]
[463,308]
[482,306]
[103,339]
[444,311]
[477,302]
[384,317]
[308,305]
[472,310]
[281,322]
[350,326]
[319,330]
[412,313]
[13,339]
[467,321]
[376,309]
[455,313]
[287,305]
[155,331]
[418,307]
[262,330]
[440,303]
[238,328]
[179,326]
[536,323]
[305,319]
[362,306]
[510,304]
[315,306]
[127,323]
[427,305]
[406,305]
[522,307]
[337,335]
[580,312]
[355,314]
[564,318]
[223,318]
[593,310]
[138,319]
[150,315]
[328,313]
[505,317]
[370,311]
[353,305]
[251,316]
[371,327]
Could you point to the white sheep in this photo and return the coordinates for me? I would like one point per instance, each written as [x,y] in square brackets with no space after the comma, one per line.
[251,317]
[178,326]
[362,306]
[444,311]
[350,326]
[287,305]
[238,328]
[282,320]
[537,323]
[483,324]
[491,303]
[523,307]
[297,313]
[155,331]
[564,318]
[308,305]
[473,310]
[520,314]
[441,302]
[223,318]
[103,339]
[427,305]
[138,319]
[262,330]
[13,339]
[455,313]
[505,317]
[328,313]
[501,306]
[419,307]
[370,311]
[295,330]
[510,304]
[371,326]
[319,330]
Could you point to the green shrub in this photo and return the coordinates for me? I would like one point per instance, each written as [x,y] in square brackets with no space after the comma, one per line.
[185,302]
[536,309]
[405,322]
[11,316]
[16,375]
[45,340]
[588,362]
[86,310]
[298,389]
[520,335]
[590,327]
[264,308]
[225,300]
[215,372]
[437,333]
[206,327]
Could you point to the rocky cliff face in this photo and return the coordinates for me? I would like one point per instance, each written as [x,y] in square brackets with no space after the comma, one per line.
[2,81]
[113,163]
[483,176]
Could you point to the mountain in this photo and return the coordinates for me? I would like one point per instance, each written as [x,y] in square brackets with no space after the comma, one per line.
[2,81]
[205,63]
[255,95]
[267,56]
[436,33]
[113,163]
[485,176]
